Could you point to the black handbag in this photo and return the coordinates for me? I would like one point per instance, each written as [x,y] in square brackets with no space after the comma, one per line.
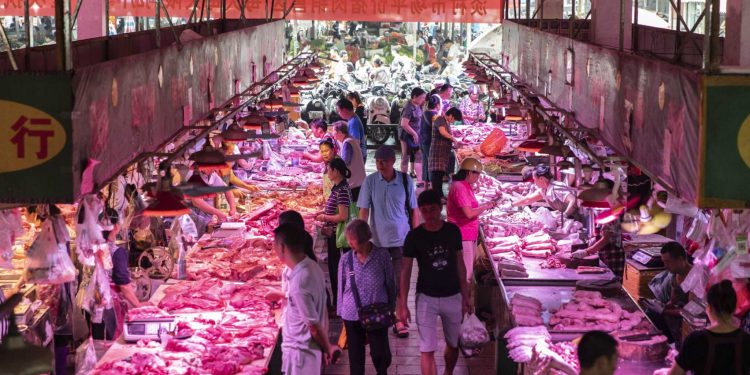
[375,316]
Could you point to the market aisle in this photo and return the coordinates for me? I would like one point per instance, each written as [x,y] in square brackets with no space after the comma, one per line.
[406,351]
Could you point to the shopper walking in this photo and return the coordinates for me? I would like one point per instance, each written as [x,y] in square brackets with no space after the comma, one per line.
[464,209]
[442,289]
[345,109]
[352,156]
[441,148]
[411,123]
[304,335]
[336,211]
[360,111]
[471,107]
[388,201]
[722,348]
[366,278]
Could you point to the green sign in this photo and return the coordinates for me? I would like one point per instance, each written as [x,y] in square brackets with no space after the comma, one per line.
[725,151]
[36,148]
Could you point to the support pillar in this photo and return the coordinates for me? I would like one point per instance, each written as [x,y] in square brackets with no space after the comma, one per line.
[612,23]
[92,19]
[737,36]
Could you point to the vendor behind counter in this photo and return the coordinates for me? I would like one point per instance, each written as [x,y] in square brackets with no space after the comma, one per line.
[664,310]
[556,197]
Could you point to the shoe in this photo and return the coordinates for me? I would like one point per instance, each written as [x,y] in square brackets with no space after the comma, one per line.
[400,330]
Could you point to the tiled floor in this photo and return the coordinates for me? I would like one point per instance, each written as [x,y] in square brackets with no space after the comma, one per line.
[406,351]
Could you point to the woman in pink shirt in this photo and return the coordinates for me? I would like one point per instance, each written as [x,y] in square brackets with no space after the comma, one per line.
[464,210]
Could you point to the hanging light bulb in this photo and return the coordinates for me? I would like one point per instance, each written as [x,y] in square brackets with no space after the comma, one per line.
[255,122]
[234,133]
[167,202]
[293,92]
[273,103]
[555,149]
[209,158]
[196,187]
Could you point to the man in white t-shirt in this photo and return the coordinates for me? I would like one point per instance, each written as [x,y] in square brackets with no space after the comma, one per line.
[305,332]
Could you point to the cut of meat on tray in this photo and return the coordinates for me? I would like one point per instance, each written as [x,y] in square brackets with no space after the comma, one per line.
[542,254]
[590,269]
[146,313]
[526,311]
[588,310]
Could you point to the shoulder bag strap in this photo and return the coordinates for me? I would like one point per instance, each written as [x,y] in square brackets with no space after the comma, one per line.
[355,290]
[408,198]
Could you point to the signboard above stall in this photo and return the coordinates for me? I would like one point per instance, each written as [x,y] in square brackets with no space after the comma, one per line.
[466,11]
[36,139]
[725,148]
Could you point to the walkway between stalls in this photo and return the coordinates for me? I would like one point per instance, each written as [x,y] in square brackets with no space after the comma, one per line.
[406,351]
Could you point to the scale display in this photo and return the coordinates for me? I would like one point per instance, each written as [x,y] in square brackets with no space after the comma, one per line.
[649,257]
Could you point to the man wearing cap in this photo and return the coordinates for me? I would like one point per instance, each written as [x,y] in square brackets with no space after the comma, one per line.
[387,199]
[471,108]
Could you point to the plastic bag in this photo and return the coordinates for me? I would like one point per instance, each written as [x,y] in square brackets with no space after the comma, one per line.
[86,357]
[474,335]
[47,261]
[10,228]
[98,294]
[89,233]
[545,217]
[494,143]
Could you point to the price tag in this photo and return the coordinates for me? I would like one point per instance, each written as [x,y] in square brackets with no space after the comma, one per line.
[741,244]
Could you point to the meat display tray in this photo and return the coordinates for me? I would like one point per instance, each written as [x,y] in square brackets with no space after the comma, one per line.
[553,296]
[555,275]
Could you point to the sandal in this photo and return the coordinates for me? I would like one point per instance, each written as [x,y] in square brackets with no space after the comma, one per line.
[400,330]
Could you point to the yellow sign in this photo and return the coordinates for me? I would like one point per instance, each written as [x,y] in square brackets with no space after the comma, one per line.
[28,136]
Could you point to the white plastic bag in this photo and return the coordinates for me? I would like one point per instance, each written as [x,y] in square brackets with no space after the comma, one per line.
[474,335]
[47,261]
[89,233]
[98,293]
[86,357]
[546,218]
[10,228]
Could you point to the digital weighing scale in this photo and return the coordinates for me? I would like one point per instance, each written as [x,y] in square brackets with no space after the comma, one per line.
[147,329]
[649,256]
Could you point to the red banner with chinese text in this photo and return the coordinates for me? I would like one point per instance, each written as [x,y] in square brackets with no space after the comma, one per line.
[466,11]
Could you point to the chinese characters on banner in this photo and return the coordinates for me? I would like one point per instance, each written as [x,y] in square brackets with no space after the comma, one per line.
[36,163]
[469,11]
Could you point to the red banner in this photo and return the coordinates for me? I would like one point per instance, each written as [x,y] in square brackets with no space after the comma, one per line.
[466,11]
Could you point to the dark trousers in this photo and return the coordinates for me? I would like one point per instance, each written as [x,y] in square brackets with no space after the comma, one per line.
[334,255]
[380,350]
[436,179]
[106,329]
[355,194]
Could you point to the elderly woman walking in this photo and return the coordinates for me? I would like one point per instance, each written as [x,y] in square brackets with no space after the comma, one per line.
[365,284]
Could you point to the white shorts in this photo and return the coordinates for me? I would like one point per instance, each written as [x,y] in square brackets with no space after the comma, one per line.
[428,310]
[301,361]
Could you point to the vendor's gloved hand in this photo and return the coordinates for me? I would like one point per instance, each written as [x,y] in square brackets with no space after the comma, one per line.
[578,254]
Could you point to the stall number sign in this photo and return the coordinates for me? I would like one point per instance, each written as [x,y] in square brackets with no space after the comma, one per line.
[30,137]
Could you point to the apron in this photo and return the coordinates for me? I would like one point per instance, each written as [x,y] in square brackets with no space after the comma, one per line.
[555,203]
[713,341]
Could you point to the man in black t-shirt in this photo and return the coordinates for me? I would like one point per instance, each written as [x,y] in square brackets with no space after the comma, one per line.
[441,284]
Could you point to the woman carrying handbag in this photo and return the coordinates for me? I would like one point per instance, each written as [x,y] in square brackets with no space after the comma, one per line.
[367,299]
[336,212]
